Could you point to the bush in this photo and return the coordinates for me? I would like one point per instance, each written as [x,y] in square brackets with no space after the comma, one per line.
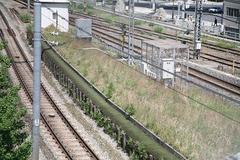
[14,142]
[158,29]
[90,13]
[226,44]
[30,34]
[25,17]
[2,45]
[108,19]
[130,110]
[110,90]
[151,24]
[138,22]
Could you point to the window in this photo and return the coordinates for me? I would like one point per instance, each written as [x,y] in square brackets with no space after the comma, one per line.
[232,12]
[232,32]
[54,15]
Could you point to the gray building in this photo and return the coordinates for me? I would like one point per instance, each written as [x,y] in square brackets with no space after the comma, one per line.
[232,17]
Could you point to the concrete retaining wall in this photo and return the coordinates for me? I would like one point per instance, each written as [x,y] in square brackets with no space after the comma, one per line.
[215,73]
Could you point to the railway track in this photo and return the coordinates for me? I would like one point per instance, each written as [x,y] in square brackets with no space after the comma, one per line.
[115,41]
[192,72]
[231,88]
[64,134]
[140,35]
[167,35]
[141,31]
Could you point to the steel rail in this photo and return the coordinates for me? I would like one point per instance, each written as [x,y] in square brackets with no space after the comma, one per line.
[137,50]
[89,150]
[167,35]
[218,60]
[27,91]
[170,36]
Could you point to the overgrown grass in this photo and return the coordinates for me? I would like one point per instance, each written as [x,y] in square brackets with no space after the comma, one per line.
[138,22]
[187,125]
[226,45]
[219,42]
[30,34]
[110,19]
[151,24]
[158,29]
[80,8]
[25,17]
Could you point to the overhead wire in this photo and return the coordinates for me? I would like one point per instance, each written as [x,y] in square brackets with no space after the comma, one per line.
[157,67]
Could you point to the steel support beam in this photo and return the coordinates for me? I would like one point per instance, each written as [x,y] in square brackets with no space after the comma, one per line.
[198,28]
[36,80]
[131,30]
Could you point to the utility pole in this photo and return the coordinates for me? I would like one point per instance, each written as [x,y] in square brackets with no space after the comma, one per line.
[184,10]
[131,30]
[85,6]
[222,15]
[178,13]
[36,80]
[103,3]
[28,6]
[197,28]
[173,9]
[114,2]
[154,6]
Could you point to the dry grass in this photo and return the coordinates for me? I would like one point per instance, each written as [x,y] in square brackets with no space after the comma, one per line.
[188,126]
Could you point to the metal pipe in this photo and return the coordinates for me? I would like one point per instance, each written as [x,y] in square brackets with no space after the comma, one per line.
[36,80]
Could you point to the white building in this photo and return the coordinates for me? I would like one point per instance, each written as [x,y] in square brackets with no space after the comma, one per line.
[54,11]
[232,17]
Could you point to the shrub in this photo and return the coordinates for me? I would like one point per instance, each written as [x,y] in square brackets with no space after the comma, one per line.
[30,34]
[130,110]
[226,45]
[138,22]
[90,13]
[3,45]
[25,17]
[151,24]
[14,138]
[108,19]
[110,90]
[158,29]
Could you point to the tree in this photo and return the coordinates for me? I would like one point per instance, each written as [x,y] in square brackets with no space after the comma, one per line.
[13,137]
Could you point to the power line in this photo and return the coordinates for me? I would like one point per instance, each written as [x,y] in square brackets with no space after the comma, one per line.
[178,76]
